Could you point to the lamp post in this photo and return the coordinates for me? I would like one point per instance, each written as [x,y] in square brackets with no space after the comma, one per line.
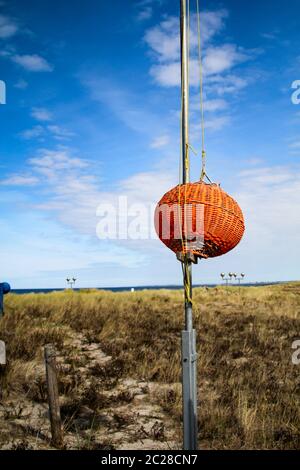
[240,278]
[71,281]
[225,279]
[230,276]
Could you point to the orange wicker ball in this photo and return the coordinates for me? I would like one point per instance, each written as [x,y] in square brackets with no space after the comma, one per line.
[199,218]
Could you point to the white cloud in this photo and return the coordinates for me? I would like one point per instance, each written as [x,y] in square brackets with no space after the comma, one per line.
[127,106]
[32,63]
[295,145]
[147,187]
[33,133]
[268,176]
[271,36]
[57,132]
[164,43]
[56,160]
[217,123]
[222,58]
[41,114]
[214,105]
[8,27]
[167,75]
[294,148]
[212,124]
[164,40]
[72,191]
[20,180]
[160,141]
[270,199]
[60,133]
[254,161]
[5,53]
[145,9]
[216,60]
[225,84]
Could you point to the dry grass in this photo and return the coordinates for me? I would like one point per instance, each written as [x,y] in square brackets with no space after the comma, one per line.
[248,387]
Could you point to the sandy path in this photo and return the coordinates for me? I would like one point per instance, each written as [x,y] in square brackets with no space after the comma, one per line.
[123,416]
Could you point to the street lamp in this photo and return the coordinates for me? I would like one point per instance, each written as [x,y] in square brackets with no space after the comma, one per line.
[240,278]
[232,276]
[71,281]
[224,278]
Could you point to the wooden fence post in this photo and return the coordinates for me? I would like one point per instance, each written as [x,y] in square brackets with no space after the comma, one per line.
[53,397]
[2,364]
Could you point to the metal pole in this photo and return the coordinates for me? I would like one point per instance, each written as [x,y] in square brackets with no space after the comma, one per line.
[189,356]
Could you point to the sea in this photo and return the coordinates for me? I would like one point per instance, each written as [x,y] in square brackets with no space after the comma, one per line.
[137,288]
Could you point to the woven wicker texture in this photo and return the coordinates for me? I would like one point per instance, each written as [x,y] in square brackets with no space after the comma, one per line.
[206,221]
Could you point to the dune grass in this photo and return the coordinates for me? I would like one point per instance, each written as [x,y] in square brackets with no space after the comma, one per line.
[248,387]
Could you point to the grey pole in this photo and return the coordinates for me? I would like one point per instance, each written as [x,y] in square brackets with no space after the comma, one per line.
[189,356]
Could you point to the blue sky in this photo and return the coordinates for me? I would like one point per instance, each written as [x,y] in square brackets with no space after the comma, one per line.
[92,114]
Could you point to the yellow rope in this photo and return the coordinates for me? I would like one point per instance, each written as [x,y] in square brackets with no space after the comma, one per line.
[203,171]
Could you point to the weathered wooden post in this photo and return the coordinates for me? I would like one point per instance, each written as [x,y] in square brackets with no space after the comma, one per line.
[2,364]
[4,289]
[53,397]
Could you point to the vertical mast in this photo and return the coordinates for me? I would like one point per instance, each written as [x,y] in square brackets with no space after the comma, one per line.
[189,355]
[184,91]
